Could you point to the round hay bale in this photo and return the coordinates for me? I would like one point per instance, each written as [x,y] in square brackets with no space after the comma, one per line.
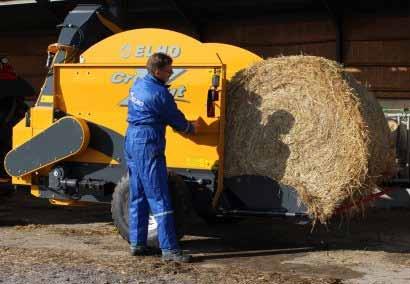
[303,122]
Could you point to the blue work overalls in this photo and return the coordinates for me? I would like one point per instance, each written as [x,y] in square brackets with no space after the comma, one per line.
[150,108]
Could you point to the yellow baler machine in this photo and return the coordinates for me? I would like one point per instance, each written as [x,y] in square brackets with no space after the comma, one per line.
[70,148]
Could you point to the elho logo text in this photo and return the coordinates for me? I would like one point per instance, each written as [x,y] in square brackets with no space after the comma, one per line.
[141,50]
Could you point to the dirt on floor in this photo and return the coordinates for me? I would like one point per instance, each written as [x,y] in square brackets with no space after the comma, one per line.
[42,243]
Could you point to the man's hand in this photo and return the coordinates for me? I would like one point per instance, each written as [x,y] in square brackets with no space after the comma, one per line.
[197,125]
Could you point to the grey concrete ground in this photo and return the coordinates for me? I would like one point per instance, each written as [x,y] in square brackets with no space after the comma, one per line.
[40,243]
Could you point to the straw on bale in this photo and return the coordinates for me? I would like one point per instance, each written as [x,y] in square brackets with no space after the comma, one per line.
[303,122]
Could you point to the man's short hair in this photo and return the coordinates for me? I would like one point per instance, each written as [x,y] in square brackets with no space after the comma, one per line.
[157,61]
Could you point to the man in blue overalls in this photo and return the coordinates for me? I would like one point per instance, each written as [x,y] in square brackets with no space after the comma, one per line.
[151,107]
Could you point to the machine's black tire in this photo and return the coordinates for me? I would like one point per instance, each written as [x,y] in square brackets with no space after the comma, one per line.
[6,191]
[180,196]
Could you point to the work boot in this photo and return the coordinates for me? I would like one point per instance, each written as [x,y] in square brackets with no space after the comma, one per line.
[143,251]
[176,256]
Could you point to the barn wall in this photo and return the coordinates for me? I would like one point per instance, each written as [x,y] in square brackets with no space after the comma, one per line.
[375,48]
[27,52]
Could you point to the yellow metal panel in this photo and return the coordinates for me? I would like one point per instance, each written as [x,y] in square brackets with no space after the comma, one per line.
[24,180]
[104,103]
[35,191]
[41,117]
[21,133]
